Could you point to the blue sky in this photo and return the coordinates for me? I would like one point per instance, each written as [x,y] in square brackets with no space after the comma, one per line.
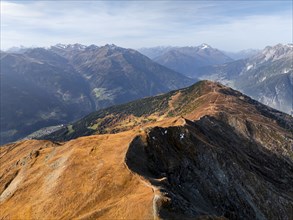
[227,25]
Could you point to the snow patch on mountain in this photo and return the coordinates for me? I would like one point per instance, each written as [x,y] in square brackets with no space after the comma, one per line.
[204,46]
[263,79]
[249,67]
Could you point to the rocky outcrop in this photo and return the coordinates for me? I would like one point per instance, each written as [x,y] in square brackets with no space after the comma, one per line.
[207,167]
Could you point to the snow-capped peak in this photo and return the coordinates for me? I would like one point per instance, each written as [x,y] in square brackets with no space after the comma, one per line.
[61,46]
[20,49]
[111,46]
[71,46]
[92,47]
[204,46]
[276,52]
[77,46]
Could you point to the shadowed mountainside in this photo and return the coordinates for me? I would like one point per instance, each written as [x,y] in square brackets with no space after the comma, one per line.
[39,89]
[117,75]
[49,87]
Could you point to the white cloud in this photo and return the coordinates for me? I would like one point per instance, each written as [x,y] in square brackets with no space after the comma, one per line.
[250,32]
[11,10]
[140,23]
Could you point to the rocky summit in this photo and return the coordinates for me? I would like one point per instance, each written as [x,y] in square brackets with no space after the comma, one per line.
[203,152]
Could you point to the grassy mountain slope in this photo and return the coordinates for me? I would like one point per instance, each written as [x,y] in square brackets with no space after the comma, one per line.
[203,152]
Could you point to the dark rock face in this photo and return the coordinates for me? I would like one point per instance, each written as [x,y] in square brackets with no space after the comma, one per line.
[209,168]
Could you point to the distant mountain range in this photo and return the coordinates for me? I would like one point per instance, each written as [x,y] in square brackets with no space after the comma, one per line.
[117,75]
[186,60]
[44,87]
[205,151]
[202,152]
[243,54]
[265,75]
[47,87]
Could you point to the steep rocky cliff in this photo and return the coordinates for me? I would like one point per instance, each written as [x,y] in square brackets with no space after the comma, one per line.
[208,168]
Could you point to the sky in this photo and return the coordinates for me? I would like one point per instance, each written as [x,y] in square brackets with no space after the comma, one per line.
[227,25]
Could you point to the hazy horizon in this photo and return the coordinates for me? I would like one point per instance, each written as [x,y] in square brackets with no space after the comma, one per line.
[226,25]
[47,47]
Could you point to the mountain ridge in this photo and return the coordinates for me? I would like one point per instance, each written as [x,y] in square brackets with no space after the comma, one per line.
[205,96]
[209,152]
[186,60]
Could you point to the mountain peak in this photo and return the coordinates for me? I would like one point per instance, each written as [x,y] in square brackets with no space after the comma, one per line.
[112,46]
[205,46]
[280,46]
[273,53]
[75,46]
[20,49]
[92,47]
[61,46]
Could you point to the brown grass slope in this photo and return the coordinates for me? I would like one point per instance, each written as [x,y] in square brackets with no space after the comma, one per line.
[206,151]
